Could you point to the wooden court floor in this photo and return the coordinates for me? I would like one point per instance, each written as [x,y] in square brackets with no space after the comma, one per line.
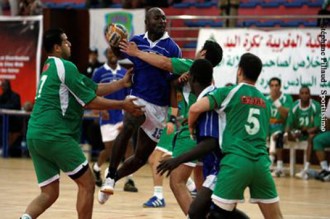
[299,199]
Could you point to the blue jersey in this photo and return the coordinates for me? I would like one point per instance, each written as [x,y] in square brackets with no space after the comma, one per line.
[105,74]
[208,126]
[151,83]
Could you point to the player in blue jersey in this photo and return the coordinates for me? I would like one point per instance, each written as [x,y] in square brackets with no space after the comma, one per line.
[152,88]
[111,121]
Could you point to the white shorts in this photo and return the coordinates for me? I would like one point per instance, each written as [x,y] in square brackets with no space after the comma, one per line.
[109,131]
[210,182]
[155,121]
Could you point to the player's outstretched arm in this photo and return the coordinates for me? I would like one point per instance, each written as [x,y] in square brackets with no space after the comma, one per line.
[106,104]
[111,87]
[158,61]
[202,105]
[202,148]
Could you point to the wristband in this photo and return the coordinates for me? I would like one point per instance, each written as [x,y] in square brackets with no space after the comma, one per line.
[172,119]
[277,103]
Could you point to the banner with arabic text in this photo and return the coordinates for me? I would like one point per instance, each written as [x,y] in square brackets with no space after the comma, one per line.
[20,53]
[297,56]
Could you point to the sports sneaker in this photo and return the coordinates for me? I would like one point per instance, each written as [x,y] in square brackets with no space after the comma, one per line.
[108,186]
[326,177]
[321,175]
[154,202]
[130,186]
[102,197]
[98,179]
[278,173]
[303,174]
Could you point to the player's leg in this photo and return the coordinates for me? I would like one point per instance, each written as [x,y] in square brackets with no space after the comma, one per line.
[320,142]
[201,204]
[129,185]
[48,180]
[131,124]
[271,210]
[178,180]
[85,198]
[279,143]
[102,158]
[144,148]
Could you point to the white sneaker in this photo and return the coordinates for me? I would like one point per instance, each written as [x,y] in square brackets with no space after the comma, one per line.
[108,186]
[278,173]
[302,175]
[102,197]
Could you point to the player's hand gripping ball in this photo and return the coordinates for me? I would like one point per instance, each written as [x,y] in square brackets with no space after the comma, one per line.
[115,34]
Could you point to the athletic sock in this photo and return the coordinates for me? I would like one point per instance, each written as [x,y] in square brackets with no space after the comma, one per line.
[158,192]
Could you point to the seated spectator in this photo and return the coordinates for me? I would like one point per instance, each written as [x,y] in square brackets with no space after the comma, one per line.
[11,100]
[320,142]
[303,124]
[30,7]
[93,62]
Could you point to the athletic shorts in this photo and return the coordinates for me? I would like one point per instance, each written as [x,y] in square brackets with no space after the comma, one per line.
[321,141]
[183,143]
[109,132]
[165,143]
[49,157]
[238,173]
[155,121]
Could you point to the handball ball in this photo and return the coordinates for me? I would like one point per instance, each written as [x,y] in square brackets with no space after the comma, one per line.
[115,34]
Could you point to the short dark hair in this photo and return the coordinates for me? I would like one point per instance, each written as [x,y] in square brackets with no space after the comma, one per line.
[202,72]
[304,87]
[213,52]
[251,66]
[52,37]
[275,79]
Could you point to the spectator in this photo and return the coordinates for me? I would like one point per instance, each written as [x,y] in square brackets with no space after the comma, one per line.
[93,62]
[229,8]
[30,7]
[12,100]
[280,106]
[303,124]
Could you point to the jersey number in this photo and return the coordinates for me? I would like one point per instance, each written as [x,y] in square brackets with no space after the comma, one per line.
[253,125]
[303,121]
[42,83]
[157,133]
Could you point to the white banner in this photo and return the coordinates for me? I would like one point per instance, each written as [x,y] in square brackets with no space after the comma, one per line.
[133,20]
[297,56]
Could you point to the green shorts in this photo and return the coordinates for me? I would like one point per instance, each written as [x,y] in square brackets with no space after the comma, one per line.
[165,143]
[183,143]
[321,141]
[237,173]
[49,157]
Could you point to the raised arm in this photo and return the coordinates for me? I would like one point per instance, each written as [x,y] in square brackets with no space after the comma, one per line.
[158,61]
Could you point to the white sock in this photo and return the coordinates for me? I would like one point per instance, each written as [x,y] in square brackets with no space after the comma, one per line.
[96,167]
[307,165]
[190,185]
[280,164]
[26,216]
[324,165]
[158,192]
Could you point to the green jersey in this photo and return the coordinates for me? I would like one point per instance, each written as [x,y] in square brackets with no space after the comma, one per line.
[246,113]
[62,93]
[308,117]
[277,122]
[181,65]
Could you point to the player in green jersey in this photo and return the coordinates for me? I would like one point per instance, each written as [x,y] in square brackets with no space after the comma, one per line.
[280,106]
[211,51]
[303,124]
[54,127]
[245,162]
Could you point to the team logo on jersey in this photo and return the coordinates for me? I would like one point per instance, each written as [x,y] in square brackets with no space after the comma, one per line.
[45,68]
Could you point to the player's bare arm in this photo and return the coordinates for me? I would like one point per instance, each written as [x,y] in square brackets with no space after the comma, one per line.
[158,61]
[202,105]
[107,88]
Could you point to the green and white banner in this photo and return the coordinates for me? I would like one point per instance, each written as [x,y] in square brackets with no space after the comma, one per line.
[297,56]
